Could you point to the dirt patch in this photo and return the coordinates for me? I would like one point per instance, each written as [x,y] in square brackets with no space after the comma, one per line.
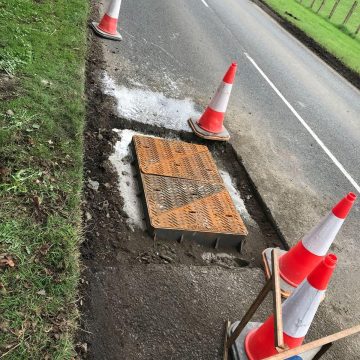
[8,87]
[352,76]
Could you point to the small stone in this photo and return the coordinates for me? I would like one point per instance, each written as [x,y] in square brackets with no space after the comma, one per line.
[93,184]
[10,113]
[41,292]
[46,82]
[166,258]
[100,137]
[88,216]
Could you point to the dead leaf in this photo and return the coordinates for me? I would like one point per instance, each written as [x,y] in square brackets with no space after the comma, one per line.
[6,260]
[43,250]
[4,171]
[37,201]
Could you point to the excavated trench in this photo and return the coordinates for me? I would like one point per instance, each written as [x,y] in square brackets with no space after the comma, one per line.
[128,277]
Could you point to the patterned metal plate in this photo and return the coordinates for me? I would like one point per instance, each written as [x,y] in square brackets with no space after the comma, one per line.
[190,205]
[184,193]
[175,159]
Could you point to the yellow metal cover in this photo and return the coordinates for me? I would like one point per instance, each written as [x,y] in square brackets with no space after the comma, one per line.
[175,158]
[190,205]
[184,191]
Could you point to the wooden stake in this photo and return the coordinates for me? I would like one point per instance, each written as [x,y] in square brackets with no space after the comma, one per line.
[315,344]
[247,317]
[321,6]
[354,5]
[226,349]
[334,8]
[278,324]
[357,30]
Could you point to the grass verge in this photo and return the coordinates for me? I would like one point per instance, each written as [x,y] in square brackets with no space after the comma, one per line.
[344,47]
[42,112]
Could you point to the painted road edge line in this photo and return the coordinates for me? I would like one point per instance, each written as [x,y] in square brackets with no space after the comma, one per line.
[306,126]
[205,3]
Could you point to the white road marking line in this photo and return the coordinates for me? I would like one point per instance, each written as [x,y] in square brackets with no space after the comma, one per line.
[205,3]
[306,126]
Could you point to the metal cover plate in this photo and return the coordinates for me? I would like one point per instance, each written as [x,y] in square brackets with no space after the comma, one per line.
[190,205]
[175,159]
[184,194]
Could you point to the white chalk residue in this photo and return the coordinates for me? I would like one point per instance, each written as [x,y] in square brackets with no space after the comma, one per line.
[151,107]
[128,186]
[236,198]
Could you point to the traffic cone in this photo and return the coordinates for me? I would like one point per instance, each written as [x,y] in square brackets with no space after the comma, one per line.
[298,312]
[300,260]
[107,27]
[210,125]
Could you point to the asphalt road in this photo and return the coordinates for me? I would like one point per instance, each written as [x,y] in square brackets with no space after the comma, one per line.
[293,120]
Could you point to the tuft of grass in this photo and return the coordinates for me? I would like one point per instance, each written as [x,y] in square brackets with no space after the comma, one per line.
[337,39]
[43,46]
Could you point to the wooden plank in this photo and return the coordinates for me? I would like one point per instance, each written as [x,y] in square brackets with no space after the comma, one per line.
[226,349]
[247,317]
[315,344]
[278,324]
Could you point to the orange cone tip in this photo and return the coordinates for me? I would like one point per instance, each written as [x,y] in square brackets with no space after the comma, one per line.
[300,260]
[343,207]
[230,74]
[319,278]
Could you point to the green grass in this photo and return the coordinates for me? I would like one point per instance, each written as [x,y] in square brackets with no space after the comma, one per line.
[337,39]
[340,13]
[42,60]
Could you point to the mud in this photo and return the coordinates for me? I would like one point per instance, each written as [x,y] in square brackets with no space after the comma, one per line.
[139,297]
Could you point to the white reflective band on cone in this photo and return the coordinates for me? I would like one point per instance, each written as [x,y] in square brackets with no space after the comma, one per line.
[114,9]
[320,238]
[221,98]
[300,308]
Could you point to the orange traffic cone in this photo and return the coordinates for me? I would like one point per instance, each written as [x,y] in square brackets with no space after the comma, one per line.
[107,27]
[298,313]
[210,125]
[300,260]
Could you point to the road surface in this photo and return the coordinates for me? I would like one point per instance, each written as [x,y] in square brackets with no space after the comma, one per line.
[294,121]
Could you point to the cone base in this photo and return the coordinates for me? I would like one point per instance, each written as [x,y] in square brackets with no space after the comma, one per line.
[238,351]
[222,136]
[98,31]
[286,288]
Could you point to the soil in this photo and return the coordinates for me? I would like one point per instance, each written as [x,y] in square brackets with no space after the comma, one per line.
[127,274]
[8,87]
[352,76]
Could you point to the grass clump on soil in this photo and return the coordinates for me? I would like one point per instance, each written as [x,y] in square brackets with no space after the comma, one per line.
[42,111]
[330,34]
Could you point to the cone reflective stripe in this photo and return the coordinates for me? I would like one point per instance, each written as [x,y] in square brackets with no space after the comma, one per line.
[300,260]
[213,117]
[298,312]
[108,24]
